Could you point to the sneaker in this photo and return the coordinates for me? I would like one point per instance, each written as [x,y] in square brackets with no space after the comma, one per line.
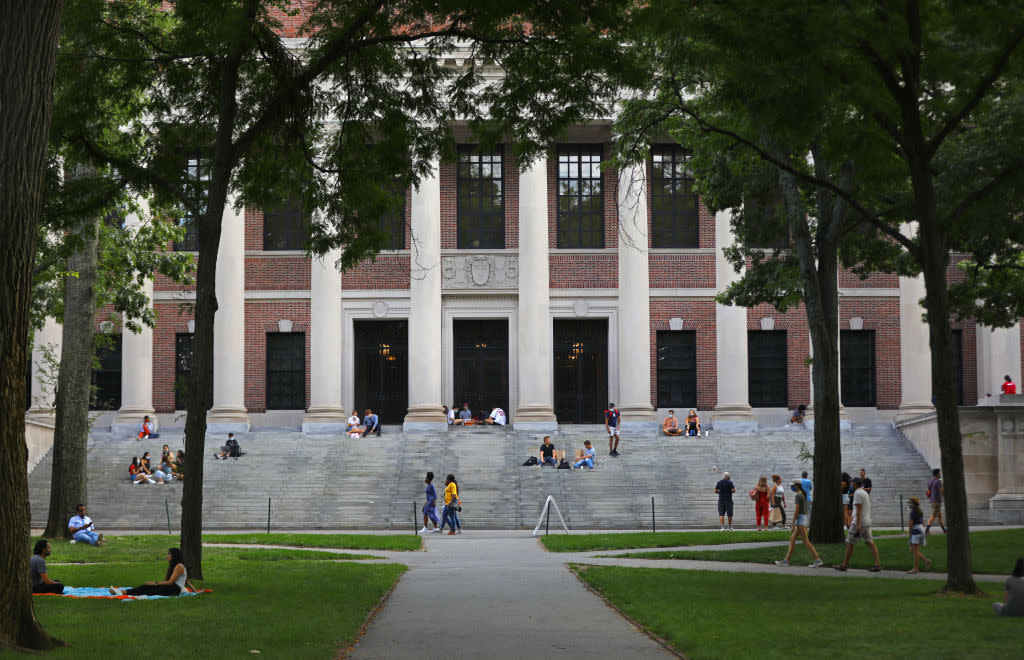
[817,563]
[731,529]
[875,569]
[721,529]
[424,530]
[591,469]
[782,562]
[611,452]
[459,531]
[434,531]
[451,532]
[839,567]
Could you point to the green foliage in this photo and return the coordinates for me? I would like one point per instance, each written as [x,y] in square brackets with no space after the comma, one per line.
[705,614]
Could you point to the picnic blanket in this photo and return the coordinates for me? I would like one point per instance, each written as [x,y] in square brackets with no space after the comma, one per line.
[104,592]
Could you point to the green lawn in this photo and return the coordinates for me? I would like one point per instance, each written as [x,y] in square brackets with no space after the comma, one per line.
[588,542]
[353,541]
[991,551]
[282,603]
[727,615]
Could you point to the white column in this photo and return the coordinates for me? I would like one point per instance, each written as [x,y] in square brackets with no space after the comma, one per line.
[915,351]
[51,337]
[998,356]
[136,362]
[733,409]
[634,301]
[536,402]
[228,413]
[425,308]
[325,413]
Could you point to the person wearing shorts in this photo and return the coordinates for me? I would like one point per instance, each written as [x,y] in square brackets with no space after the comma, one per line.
[860,527]
[725,488]
[612,422]
[935,493]
[801,516]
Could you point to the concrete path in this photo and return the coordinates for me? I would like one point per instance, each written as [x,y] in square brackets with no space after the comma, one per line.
[497,594]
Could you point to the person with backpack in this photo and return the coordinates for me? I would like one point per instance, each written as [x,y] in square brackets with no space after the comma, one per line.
[230,449]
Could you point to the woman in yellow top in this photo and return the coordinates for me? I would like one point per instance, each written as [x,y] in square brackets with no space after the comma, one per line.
[451,505]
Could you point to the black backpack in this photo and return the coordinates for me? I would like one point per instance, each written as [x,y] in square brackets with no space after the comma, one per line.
[531,461]
[563,465]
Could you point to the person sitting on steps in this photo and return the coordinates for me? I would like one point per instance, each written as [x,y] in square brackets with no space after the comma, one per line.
[465,416]
[146,429]
[588,457]
[231,449]
[497,416]
[371,423]
[671,424]
[798,414]
[692,423]
[547,452]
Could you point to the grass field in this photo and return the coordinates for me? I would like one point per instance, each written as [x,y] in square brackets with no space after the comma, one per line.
[991,552]
[351,541]
[278,602]
[705,614]
[588,542]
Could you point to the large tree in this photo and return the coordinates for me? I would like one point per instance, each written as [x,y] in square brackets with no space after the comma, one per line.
[28,48]
[928,97]
[360,108]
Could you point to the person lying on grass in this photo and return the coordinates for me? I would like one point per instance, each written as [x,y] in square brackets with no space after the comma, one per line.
[800,518]
[174,582]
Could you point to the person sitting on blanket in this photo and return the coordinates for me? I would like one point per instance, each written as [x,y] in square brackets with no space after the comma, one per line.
[41,582]
[174,582]
[82,529]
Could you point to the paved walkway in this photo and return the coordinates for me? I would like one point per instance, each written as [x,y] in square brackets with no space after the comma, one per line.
[489,594]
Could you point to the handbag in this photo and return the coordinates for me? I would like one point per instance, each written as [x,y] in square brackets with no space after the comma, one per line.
[753,494]
[775,516]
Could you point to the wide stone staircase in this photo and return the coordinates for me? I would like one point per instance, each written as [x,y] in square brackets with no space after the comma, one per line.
[333,482]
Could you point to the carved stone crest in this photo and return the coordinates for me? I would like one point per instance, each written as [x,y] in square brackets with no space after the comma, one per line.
[476,271]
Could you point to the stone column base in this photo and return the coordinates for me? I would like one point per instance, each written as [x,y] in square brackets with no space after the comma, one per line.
[1007,502]
[535,418]
[733,417]
[227,420]
[425,418]
[324,420]
[128,420]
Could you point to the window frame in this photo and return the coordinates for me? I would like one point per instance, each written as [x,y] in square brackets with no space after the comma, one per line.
[269,380]
[473,223]
[780,385]
[565,217]
[665,400]
[108,374]
[199,171]
[852,363]
[295,225]
[679,226]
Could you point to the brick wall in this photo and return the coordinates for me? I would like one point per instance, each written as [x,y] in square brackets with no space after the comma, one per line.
[882,316]
[172,318]
[682,270]
[583,271]
[261,317]
[269,272]
[798,345]
[388,271]
[699,316]
[848,279]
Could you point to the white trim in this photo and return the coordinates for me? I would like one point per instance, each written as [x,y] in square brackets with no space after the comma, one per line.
[597,308]
[852,292]
[362,310]
[552,252]
[682,251]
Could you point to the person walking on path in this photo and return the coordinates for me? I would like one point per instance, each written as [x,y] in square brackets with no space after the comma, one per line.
[40,579]
[778,501]
[451,505]
[860,528]
[800,519]
[430,508]
[725,488]
[1014,605]
[761,504]
[846,496]
[935,493]
[612,422]
[917,536]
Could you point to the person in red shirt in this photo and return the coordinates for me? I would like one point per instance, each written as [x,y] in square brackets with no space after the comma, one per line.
[1009,387]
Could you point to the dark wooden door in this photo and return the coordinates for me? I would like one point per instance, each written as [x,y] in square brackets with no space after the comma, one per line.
[481,364]
[581,370]
[382,369]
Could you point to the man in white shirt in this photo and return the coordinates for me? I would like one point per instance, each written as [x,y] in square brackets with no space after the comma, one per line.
[497,416]
[860,527]
[81,528]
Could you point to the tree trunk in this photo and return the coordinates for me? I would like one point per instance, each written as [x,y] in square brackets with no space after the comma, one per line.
[28,50]
[934,256]
[68,486]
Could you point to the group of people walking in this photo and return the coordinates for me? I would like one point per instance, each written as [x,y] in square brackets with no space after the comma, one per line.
[449,511]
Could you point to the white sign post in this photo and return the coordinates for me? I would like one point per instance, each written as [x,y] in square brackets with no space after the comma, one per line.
[549,502]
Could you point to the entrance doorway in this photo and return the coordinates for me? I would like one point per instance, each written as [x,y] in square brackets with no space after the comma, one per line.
[481,364]
[382,368]
[581,371]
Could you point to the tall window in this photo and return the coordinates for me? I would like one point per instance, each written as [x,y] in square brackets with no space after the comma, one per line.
[286,371]
[106,380]
[481,199]
[766,368]
[674,211]
[769,234]
[857,367]
[197,170]
[393,224]
[677,369]
[183,361]
[286,226]
[580,197]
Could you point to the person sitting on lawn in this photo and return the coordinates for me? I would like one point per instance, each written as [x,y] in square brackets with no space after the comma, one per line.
[671,424]
[1014,605]
[497,416]
[588,457]
[82,528]
[692,423]
[231,449]
[175,580]
[371,423]
[41,582]
[798,414]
